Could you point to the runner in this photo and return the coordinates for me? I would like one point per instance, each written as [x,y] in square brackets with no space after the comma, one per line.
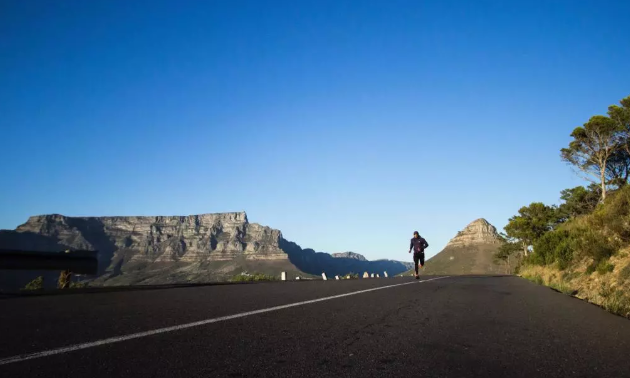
[418,244]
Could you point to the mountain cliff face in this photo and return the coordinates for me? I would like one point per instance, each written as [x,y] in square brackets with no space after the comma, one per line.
[159,249]
[348,255]
[194,238]
[173,249]
[469,252]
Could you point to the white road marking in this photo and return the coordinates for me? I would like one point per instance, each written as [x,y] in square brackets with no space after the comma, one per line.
[111,340]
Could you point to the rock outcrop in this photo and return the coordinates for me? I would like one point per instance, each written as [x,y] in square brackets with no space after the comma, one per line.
[478,231]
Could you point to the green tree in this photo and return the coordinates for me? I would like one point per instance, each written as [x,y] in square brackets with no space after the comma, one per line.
[592,147]
[531,223]
[579,200]
[618,167]
[621,117]
[554,246]
[508,250]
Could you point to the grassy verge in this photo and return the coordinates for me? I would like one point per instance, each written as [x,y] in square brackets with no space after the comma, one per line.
[606,284]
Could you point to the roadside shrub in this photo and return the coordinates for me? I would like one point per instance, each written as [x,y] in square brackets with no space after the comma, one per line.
[614,216]
[604,267]
[563,287]
[593,244]
[568,276]
[562,264]
[36,284]
[591,268]
[618,303]
[554,246]
[605,290]
[534,258]
[614,300]
[624,275]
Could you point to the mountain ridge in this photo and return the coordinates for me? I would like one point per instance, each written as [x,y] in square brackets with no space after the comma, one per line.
[192,248]
[349,255]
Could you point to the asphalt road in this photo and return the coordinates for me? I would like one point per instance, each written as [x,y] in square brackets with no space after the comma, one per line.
[448,327]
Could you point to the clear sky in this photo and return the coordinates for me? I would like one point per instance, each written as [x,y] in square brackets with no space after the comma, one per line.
[345,124]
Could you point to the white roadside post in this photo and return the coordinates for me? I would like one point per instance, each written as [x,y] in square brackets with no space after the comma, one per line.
[372,276]
[385,272]
[283,276]
[324,277]
[377,276]
[337,277]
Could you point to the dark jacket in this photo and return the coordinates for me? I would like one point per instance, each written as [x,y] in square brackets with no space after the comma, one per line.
[418,244]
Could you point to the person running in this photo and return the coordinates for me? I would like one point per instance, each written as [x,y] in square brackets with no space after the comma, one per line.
[418,244]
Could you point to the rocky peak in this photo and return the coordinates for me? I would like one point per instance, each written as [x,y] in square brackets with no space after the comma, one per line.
[479,231]
[349,255]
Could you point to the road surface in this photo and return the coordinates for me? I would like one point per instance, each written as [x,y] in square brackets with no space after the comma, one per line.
[467,326]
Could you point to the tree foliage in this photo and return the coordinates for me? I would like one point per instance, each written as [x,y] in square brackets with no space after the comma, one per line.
[579,201]
[555,246]
[621,117]
[591,222]
[507,253]
[618,168]
[531,223]
[592,148]
[619,173]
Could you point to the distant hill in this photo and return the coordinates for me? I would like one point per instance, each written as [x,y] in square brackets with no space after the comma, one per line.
[469,252]
[310,261]
[357,256]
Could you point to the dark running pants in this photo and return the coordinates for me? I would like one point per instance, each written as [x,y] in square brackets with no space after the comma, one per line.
[418,257]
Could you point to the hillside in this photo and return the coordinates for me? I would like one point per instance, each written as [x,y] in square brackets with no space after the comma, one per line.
[587,255]
[471,251]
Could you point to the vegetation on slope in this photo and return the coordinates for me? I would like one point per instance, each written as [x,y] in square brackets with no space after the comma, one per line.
[581,246]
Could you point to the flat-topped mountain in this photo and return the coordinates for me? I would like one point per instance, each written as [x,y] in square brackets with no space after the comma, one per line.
[213,237]
[471,251]
[175,249]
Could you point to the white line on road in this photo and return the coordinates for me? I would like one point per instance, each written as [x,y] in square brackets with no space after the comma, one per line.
[31,356]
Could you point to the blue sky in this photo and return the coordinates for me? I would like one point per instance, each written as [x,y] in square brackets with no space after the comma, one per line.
[345,124]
